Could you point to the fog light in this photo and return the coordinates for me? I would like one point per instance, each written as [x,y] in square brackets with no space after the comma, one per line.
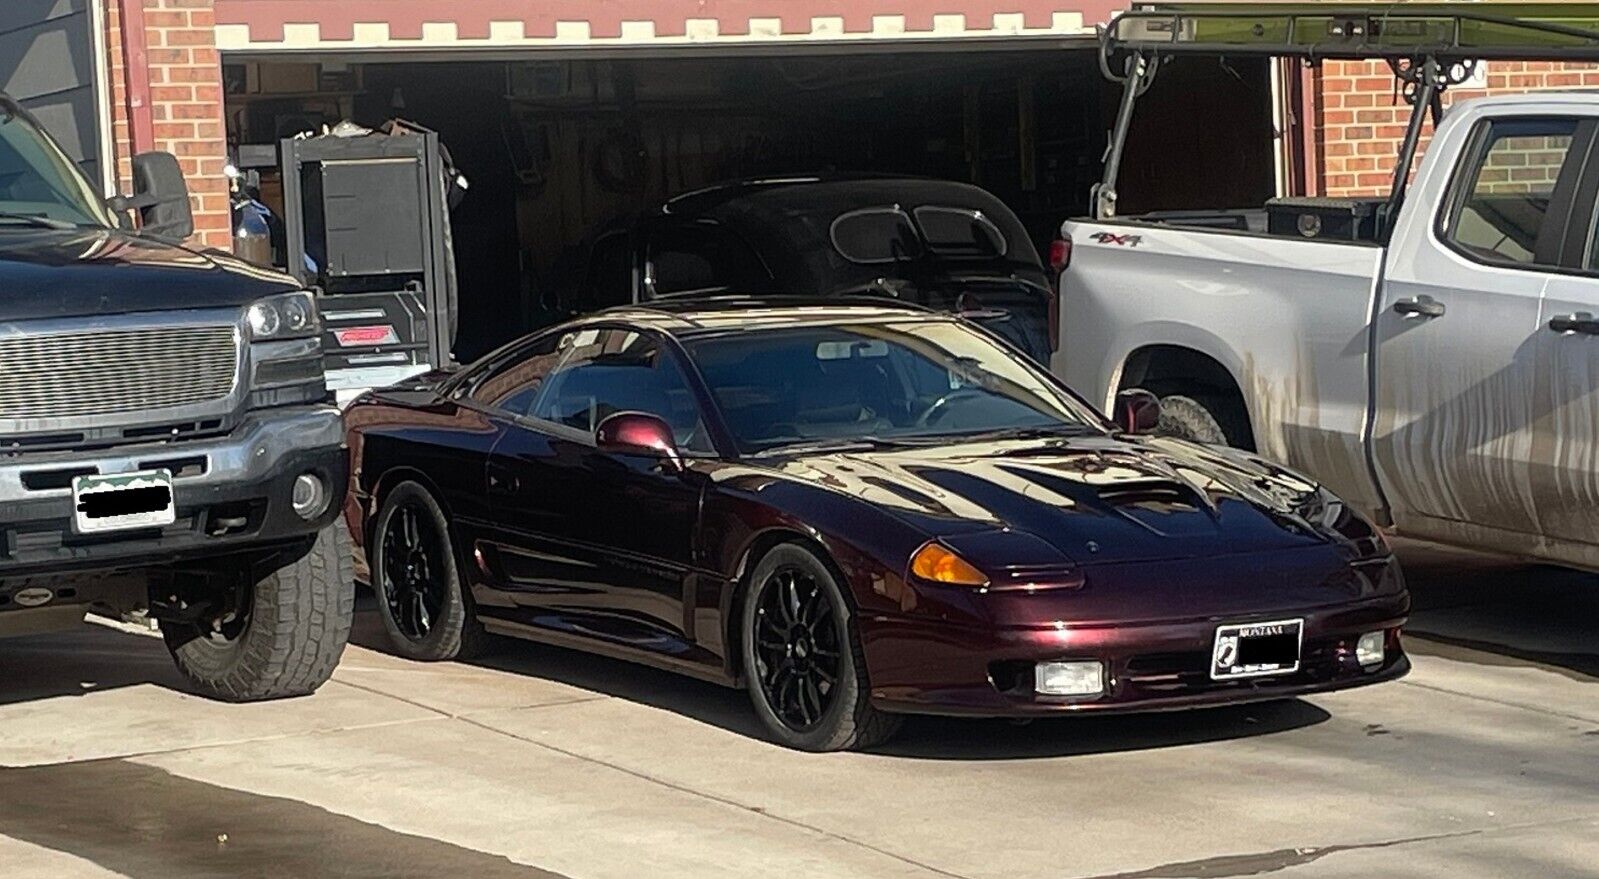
[310,496]
[1069,678]
[1369,649]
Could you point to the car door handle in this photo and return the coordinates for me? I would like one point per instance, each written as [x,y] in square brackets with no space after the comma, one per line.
[1421,306]
[502,481]
[1582,322]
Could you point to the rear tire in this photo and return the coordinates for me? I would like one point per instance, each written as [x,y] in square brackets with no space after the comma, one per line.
[803,663]
[421,596]
[296,624]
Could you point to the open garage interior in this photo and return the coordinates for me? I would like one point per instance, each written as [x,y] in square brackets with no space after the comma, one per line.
[554,147]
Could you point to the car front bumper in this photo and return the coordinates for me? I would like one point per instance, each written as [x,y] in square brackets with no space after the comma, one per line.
[232,494]
[920,666]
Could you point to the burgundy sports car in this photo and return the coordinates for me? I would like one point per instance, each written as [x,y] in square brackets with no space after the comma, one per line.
[856,512]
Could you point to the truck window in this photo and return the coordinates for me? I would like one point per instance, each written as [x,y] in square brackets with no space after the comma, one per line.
[1502,214]
[37,179]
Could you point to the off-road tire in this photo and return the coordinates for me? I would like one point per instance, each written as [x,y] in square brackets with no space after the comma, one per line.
[1202,419]
[456,633]
[297,624]
[850,722]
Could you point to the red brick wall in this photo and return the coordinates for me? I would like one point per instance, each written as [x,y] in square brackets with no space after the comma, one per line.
[185,75]
[1360,121]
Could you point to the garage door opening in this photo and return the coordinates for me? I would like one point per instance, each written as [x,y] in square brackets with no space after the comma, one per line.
[554,148]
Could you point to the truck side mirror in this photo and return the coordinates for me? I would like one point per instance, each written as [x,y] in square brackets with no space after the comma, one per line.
[1137,411]
[160,196]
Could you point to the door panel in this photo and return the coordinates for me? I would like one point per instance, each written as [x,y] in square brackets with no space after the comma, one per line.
[1564,475]
[1457,334]
[596,541]
[590,537]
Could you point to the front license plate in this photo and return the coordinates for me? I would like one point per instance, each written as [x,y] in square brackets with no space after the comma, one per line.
[123,502]
[1253,650]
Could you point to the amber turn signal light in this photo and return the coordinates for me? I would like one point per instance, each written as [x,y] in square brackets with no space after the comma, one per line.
[937,564]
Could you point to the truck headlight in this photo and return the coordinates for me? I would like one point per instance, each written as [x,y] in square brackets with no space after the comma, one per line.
[285,351]
[289,316]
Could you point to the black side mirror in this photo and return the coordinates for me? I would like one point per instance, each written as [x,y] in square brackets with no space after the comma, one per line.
[160,196]
[1137,411]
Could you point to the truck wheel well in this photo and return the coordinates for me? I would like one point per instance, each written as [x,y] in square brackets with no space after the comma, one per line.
[1167,370]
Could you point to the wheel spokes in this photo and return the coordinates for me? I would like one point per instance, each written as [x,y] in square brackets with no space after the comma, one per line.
[795,639]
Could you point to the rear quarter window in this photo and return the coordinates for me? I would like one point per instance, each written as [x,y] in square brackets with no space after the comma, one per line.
[960,232]
[876,235]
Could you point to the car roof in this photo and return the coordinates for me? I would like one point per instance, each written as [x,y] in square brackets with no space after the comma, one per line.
[689,317]
[778,200]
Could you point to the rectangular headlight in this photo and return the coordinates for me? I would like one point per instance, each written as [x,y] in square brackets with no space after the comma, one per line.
[1069,678]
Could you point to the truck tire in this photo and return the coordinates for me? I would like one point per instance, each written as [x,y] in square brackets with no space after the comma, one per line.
[447,626]
[1201,419]
[297,624]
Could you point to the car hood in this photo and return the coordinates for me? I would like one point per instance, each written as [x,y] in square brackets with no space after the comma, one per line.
[1089,500]
[50,273]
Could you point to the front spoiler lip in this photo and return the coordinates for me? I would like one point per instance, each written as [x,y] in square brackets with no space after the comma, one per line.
[1207,699]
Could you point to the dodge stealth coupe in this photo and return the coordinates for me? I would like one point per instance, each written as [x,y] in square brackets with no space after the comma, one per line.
[856,512]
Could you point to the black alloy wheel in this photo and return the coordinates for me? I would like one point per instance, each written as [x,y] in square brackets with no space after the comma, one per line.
[796,648]
[413,575]
[424,603]
[802,660]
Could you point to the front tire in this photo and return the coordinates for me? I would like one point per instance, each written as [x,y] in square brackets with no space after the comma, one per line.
[803,663]
[421,597]
[295,624]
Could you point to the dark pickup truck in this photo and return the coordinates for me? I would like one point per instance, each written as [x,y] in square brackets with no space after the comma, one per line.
[167,449]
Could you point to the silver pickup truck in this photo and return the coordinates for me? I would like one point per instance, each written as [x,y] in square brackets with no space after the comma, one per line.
[1432,357]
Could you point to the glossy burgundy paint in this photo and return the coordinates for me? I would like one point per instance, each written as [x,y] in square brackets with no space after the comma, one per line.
[632,433]
[1109,546]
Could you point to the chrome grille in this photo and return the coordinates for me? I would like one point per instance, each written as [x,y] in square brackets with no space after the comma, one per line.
[107,372]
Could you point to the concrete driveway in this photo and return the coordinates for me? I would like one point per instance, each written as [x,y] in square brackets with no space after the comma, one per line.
[544,762]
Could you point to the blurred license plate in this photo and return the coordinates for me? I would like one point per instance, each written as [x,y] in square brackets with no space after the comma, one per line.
[123,502]
[1255,650]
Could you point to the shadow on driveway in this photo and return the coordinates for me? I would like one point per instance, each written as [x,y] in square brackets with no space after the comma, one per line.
[1485,610]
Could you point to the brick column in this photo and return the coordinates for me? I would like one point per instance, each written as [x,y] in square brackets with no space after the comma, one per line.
[185,74]
[1360,122]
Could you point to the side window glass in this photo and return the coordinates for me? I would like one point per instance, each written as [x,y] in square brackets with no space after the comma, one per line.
[703,257]
[603,372]
[513,383]
[1503,208]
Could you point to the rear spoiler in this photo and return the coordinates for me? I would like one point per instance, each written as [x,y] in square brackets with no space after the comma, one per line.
[1428,47]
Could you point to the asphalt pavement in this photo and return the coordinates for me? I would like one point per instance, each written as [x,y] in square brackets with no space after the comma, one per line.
[541,762]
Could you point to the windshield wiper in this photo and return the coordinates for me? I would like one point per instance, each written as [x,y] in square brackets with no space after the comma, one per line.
[37,221]
[837,444]
[1025,433]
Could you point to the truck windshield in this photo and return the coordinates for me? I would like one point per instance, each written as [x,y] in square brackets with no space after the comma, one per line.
[38,181]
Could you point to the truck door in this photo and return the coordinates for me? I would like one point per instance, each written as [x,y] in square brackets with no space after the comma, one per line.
[1457,427]
[1565,453]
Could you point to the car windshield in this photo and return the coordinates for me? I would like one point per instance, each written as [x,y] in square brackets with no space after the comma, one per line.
[915,380]
[39,185]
